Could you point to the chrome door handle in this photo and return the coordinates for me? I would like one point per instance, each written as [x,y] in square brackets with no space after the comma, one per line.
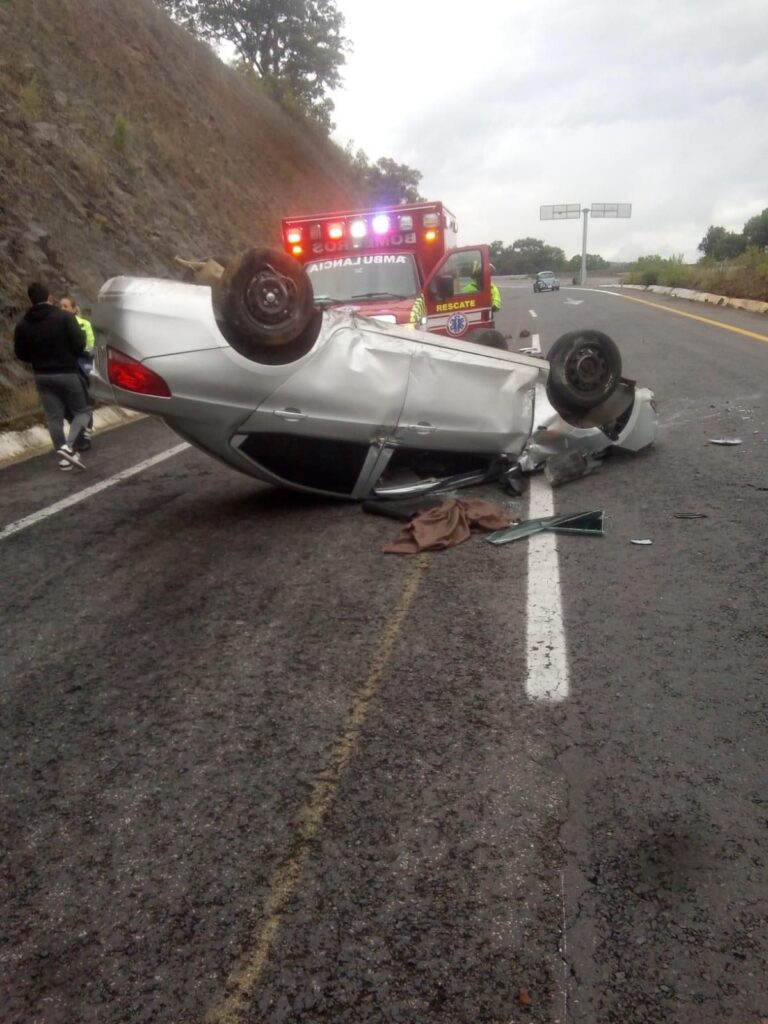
[292,415]
[421,428]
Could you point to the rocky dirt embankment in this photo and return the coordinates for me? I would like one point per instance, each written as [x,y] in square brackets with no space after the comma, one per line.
[124,142]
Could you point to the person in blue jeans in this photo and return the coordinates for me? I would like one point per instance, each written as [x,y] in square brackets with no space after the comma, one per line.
[85,362]
[51,341]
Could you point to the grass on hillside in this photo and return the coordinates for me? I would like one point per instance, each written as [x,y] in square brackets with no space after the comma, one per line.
[743,278]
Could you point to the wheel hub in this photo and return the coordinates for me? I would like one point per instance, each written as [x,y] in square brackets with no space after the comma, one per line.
[270,297]
[587,369]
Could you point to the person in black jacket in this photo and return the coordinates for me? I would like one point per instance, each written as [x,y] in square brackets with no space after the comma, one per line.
[51,340]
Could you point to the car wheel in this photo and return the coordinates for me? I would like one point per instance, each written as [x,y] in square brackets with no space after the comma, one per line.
[490,338]
[263,300]
[536,288]
[584,370]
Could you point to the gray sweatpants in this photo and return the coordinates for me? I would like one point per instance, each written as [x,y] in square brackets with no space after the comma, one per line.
[64,396]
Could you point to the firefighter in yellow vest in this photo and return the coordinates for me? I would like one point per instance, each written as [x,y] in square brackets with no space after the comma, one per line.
[476,285]
[418,311]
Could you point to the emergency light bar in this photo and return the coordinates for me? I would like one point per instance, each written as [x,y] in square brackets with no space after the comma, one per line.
[359,228]
[424,229]
[380,224]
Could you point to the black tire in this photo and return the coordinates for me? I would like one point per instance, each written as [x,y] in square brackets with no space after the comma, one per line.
[489,337]
[536,288]
[263,300]
[584,370]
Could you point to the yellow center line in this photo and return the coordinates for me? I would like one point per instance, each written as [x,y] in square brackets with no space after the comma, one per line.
[692,316]
[246,974]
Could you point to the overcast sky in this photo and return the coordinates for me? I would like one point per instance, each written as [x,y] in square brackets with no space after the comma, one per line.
[506,105]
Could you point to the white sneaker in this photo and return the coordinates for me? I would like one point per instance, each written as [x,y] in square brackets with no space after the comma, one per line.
[66,454]
[63,464]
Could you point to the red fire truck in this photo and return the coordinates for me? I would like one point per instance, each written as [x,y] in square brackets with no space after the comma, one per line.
[381,262]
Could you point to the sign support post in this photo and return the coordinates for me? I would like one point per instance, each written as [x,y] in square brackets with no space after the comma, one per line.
[571,211]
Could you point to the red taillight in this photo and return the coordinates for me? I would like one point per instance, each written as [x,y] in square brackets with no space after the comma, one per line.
[131,375]
[430,236]
[294,236]
[335,231]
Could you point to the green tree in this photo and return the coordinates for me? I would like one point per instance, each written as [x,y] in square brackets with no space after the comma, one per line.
[386,182]
[756,230]
[526,256]
[389,182]
[497,250]
[529,255]
[594,262]
[719,244]
[295,46]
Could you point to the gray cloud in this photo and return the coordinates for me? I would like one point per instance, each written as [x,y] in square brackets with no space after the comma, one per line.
[662,106]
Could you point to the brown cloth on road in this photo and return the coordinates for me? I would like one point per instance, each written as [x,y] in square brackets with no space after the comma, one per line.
[448,525]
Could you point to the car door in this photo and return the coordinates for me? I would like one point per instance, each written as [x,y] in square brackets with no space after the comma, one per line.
[467,398]
[317,428]
[457,294]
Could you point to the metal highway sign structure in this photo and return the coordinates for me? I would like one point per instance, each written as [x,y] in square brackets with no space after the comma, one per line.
[565,211]
[611,210]
[570,211]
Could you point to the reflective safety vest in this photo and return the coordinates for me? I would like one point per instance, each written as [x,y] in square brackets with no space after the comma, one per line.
[418,311]
[495,293]
[85,326]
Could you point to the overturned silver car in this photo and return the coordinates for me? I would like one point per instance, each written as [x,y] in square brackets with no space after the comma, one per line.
[249,370]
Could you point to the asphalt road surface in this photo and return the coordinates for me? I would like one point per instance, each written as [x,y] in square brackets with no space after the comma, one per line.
[254,770]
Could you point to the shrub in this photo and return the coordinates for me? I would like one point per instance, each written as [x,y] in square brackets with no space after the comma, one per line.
[30,101]
[745,277]
[121,133]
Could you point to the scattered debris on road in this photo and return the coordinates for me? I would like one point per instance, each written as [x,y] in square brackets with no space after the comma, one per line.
[726,441]
[524,998]
[590,523]
[562,469]
[448,525]
[402,509]
[690,515]
[645,542]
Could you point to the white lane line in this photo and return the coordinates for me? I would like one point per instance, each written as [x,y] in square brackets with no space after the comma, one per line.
[533,313]
[534,349]
[547,678]
[88,492]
